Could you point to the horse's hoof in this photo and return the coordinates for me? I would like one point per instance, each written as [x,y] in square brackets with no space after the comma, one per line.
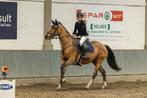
[89,84]
[59,87]
[104,87]
[87,87]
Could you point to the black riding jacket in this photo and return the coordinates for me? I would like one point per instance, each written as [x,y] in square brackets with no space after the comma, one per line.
[80,28]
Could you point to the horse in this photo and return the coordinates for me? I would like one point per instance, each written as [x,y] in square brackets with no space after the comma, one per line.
[70,55]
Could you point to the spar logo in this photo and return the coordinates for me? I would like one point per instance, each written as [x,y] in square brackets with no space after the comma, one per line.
[106,15]
[5,86]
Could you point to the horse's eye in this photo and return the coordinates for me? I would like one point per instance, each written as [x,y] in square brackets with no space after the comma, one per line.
[53,27]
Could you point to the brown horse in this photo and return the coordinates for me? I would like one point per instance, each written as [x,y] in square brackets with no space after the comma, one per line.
[70,54]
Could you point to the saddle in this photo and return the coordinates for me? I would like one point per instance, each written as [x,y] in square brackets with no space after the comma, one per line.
[87,45]
[86,48]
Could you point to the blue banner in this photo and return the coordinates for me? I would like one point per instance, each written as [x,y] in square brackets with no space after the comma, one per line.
[8,20]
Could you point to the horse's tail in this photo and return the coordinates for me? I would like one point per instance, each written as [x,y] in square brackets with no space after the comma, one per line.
[111,59]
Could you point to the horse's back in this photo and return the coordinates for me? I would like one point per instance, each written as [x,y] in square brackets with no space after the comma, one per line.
[100,48]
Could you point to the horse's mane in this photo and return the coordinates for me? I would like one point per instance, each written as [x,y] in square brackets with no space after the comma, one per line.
[65,29]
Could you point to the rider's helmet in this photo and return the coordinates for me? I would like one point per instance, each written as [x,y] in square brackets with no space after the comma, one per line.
[80,15]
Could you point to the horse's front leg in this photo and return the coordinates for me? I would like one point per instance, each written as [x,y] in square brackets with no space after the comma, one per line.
[63,69]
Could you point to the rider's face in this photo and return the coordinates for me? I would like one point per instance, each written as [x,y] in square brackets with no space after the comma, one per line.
[79,18]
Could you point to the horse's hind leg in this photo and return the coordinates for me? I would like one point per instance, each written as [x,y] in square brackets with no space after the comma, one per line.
[93,77]
[97,63]
[103,72]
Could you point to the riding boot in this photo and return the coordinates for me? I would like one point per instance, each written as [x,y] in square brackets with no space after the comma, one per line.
[82,50]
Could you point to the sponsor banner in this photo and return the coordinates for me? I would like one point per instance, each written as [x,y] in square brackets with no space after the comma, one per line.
[24,27]
[7,89]
[8,20]
[116,26]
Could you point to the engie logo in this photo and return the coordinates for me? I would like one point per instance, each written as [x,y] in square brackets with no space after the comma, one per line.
[106,15]
[8,20]
[5,86]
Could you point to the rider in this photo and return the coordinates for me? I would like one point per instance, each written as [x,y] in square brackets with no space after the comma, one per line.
[80,31]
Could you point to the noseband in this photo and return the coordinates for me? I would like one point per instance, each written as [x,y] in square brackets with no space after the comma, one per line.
[56,35]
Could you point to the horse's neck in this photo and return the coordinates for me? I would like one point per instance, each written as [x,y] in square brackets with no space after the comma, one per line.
[65,39]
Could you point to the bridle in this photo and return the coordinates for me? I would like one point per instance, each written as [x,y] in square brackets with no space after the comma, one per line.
[56,33]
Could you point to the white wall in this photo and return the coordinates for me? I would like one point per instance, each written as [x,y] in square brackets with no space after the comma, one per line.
[30,27]
[146,27]
[105,2]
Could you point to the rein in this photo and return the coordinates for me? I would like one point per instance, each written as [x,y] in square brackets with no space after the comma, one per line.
[64,36]
[61,36]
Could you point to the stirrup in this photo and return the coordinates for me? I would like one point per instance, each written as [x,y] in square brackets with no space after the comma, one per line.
[84,57]
[80,64]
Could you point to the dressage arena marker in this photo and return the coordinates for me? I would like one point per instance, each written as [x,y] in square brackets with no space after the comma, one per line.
[7,89]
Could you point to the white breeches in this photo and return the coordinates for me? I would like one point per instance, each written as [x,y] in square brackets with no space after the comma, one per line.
[83,39]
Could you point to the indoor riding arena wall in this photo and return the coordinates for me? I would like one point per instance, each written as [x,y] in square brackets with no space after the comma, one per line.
[47,64]
[25,63]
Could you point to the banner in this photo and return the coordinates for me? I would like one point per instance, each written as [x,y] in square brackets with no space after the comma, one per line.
[8,20]
[105,25]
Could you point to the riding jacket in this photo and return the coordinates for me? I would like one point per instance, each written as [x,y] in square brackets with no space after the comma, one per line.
[80,28]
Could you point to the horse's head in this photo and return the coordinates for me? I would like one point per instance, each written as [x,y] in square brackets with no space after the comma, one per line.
[54,30]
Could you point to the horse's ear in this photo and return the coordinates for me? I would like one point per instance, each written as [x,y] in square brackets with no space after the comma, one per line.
[56,22]
[53,22]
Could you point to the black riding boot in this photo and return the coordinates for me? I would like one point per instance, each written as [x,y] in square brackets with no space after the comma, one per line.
[82,50]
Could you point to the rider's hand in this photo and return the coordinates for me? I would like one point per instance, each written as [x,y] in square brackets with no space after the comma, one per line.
[87,34]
